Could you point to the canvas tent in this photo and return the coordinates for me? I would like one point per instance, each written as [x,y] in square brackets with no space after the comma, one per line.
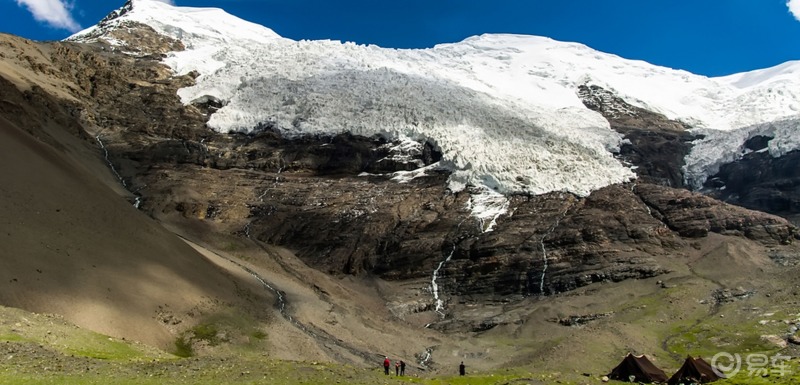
[638,368]
[694,371]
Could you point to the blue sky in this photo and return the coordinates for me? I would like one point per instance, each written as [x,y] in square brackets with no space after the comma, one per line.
[709,37]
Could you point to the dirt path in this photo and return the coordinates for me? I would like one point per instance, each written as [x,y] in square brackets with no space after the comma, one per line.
[337,349]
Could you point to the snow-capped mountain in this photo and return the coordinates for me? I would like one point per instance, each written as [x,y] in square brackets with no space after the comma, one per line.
[503,109]
[98,140]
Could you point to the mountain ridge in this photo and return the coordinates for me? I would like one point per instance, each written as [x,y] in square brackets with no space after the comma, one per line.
[530,79]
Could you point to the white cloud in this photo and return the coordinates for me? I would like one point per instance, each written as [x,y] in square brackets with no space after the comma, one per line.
[794,8]
[56,13]
[170,2]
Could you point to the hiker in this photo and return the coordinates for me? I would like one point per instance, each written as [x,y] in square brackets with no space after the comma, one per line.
[386,364]
[462,370]
[397,368]
[402,368]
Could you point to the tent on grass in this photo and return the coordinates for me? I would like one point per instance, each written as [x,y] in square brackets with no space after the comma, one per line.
[694,371]
[638,369]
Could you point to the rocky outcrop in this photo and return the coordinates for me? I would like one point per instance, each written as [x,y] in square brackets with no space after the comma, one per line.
[695,215]
[579,320]
[654,144]
[127,95]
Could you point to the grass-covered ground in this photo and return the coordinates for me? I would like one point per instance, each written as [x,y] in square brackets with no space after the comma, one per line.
[43,349]
[29,363]
[33,363]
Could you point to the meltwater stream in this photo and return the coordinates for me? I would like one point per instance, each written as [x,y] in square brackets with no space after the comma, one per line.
[438,302]
[138,200]
[486,207]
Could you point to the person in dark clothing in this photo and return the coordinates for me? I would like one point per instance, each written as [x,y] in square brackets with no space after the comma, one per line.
[402,368]
[396,368]
[462,370]
[386,364]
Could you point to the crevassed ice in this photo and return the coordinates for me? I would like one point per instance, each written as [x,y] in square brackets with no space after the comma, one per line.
[502,108]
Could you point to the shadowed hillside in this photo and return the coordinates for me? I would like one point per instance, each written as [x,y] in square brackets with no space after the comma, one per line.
[71,245]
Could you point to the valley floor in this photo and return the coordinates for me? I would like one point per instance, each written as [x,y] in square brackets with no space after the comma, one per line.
[332,327]
[112,361]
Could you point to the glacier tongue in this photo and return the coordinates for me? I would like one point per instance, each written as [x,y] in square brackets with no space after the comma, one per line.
[502,109]
[485,143]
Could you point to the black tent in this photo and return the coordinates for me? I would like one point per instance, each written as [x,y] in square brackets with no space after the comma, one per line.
[694,371]
[638,368]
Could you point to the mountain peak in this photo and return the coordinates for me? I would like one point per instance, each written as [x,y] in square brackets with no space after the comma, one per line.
[190,25]
[127,7]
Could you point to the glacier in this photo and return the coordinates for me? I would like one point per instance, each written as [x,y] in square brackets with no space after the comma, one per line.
[502,109]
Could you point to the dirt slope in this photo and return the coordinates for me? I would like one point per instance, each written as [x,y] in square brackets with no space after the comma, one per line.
[71,245]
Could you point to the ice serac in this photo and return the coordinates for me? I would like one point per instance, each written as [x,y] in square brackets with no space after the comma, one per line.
[504,110]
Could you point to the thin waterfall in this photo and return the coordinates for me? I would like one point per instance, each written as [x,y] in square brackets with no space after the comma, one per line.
[108,161]
[544,250]
[438,302]
[137,202]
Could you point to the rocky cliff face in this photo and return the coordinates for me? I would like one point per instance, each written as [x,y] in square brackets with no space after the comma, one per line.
[759,181]
[333,200]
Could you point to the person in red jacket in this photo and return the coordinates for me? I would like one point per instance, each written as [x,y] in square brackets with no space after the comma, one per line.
[386,364]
